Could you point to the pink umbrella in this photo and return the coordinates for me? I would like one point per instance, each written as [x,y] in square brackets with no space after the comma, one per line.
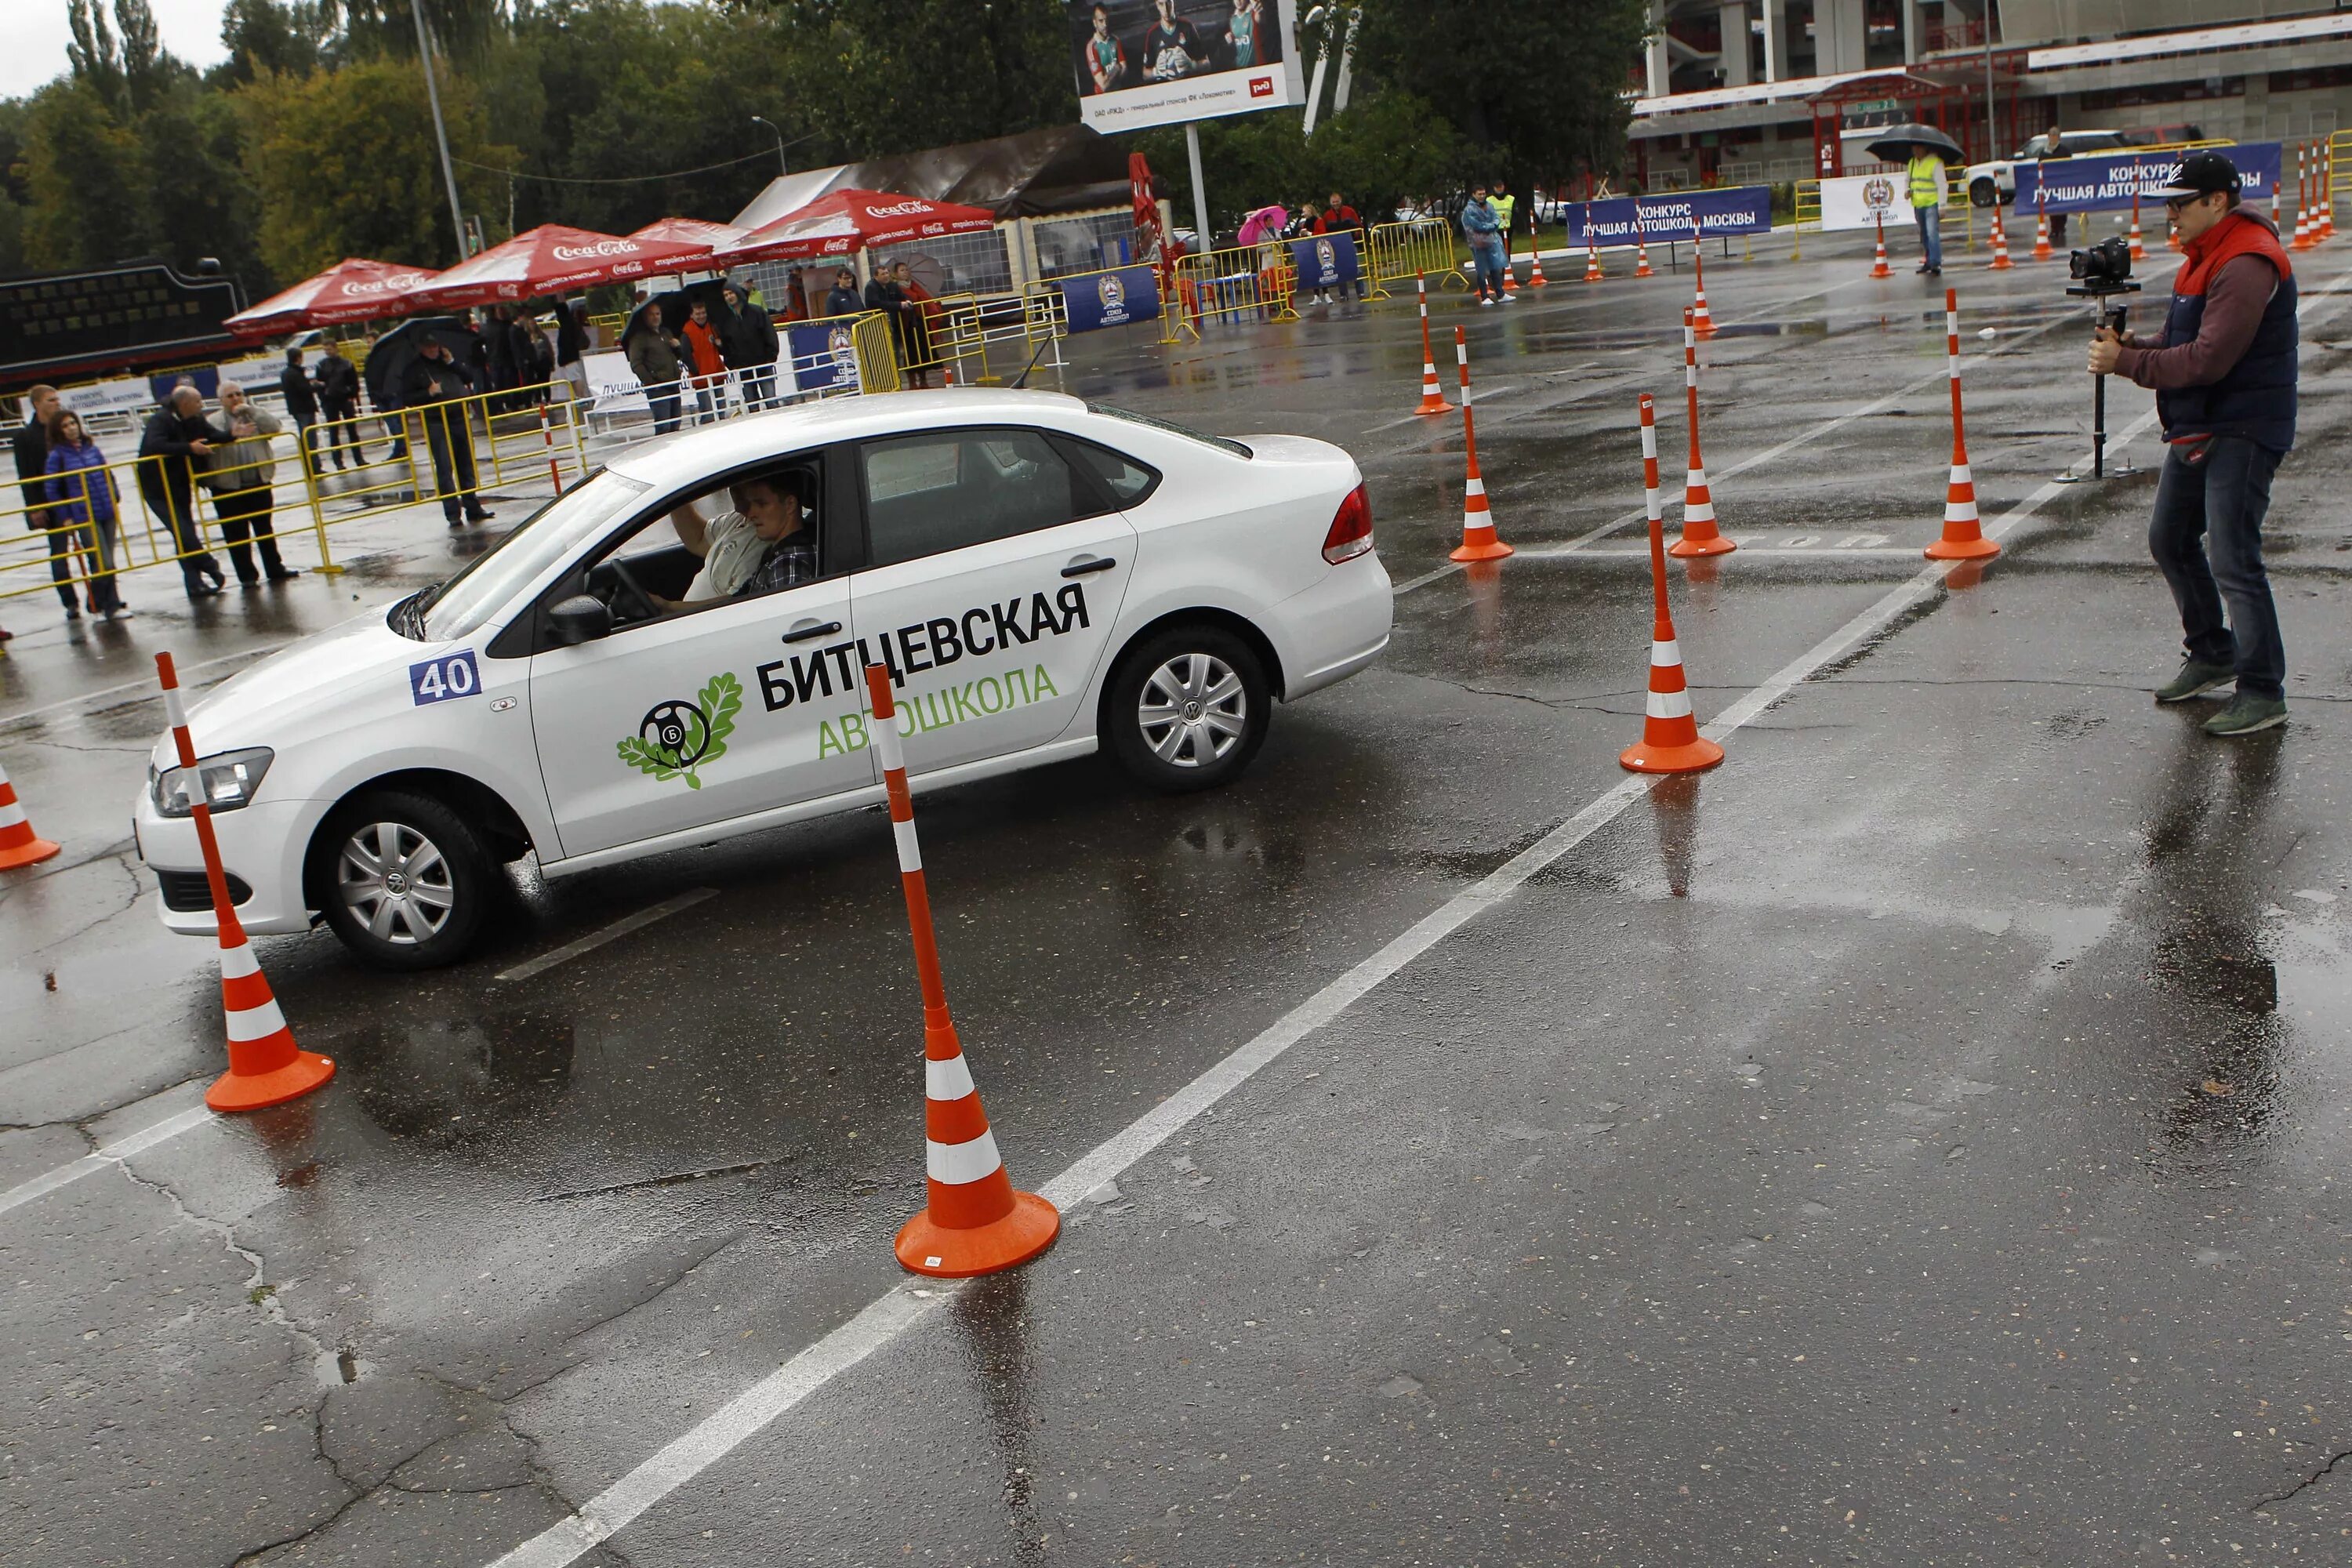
[849,219]
[690,231]
[350,291]
[547,260]
[1264,223]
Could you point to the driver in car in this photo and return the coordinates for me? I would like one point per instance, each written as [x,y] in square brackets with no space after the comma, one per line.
[765,544]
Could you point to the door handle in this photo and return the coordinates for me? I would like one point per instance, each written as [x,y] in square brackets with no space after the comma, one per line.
[804,632]
[1081,568]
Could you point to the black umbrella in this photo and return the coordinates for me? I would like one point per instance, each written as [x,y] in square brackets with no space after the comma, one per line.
[394,352]
[675,305]
[1894,145]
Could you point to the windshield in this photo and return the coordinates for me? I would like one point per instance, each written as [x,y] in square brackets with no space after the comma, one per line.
[1219,442]
[460,606]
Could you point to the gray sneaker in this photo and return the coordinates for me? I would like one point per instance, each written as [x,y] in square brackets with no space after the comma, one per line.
[2245,714]
[2195,679]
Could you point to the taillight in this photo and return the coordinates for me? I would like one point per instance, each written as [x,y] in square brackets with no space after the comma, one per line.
[1351,529]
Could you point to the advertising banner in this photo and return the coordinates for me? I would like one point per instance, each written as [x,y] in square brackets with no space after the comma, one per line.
[1162,62]
[612,385]
[2105,184]
[822,354]
[1325,261]
[124,396]
[1741,209]
[1865,201]
[1117,298]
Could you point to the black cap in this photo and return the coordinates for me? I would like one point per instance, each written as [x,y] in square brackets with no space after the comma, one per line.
[2201,174]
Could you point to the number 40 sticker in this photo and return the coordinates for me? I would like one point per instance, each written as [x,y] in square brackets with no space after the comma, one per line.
[444,678]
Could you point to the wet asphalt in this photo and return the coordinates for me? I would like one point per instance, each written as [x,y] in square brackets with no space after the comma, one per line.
[1916,1141]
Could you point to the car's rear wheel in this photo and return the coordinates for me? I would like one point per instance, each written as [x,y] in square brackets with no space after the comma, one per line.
[1982,191]
[1187,708]
[407,881]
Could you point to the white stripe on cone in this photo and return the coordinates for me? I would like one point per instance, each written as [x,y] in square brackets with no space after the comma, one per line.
[12,814]
[1476,486]
[238,962]
[911,854]
[949,1080]
[886,744]
[1662,654]
[960,1165]
[175,714]
[246,1025]
[1670,705]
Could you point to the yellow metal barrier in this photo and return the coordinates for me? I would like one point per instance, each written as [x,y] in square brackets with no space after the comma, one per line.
[1240,281]
[1400,251]
[2339,145]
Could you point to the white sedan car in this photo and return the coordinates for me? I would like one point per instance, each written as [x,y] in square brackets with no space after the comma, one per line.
[671,653]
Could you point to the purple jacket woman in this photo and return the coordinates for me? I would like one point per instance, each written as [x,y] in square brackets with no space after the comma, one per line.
[82,495]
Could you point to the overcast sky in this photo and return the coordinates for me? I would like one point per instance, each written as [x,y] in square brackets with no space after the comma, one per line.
[38,35]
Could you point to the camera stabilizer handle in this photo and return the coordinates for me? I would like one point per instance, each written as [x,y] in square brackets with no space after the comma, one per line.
[2112,317]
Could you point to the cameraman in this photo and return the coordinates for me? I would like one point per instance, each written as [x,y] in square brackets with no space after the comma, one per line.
[2223,370]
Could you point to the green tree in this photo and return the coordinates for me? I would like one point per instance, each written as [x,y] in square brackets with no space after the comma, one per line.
[1387,149]
[269,35]
[895,76]
[343,164]
[85,181]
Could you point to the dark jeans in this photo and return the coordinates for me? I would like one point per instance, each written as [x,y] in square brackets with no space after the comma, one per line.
[451,438]
[665,408]
[1488,258]
[246,514]
[2223,498]
[1931,236]
[2057,229]
[62,548]
[177,509]
[344,437]
[760,387]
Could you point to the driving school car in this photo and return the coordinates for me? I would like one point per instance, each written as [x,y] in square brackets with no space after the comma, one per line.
[1040,576]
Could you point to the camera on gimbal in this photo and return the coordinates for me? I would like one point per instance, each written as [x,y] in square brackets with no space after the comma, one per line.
[2101,270]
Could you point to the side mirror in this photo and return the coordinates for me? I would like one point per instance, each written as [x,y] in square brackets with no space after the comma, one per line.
[578,620]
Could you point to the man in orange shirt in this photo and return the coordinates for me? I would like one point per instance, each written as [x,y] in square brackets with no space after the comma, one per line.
[708,363]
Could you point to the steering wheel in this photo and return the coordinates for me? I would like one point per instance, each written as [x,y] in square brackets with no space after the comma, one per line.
[645,609]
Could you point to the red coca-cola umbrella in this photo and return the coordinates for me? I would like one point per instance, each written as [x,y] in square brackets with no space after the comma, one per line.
[690,231]
[547,260]
[355,289]
[849,219]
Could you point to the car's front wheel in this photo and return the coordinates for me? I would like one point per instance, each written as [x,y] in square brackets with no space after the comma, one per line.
[1187,708]
[1982,191]
[406,882]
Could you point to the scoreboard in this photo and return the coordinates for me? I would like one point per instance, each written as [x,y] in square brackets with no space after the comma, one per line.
[108,317]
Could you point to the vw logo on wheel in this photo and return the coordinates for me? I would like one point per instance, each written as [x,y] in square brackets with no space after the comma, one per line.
[679,730]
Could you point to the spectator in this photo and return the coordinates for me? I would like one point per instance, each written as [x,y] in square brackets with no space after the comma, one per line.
[882,294]
[338,399]
[1171,46]
[922,353]
[708,360]
[1925,184]
[31,444]
[571,342]
[499,352]
[1483,229]
[750,345]
[433,380]
[842,300]
[83,494]
[538,361]
[239,477]
[654,354]
[1246,34]
[1339,218]
[175,438]
[796,299]
[1106,61]
[302,404]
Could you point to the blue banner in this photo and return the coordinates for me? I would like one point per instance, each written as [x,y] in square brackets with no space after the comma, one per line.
[2105,184]
[1742,209]
[820,355]
[1325,261]
[1116,298]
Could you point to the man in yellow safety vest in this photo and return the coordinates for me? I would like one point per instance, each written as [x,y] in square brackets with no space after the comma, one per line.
[1927,188]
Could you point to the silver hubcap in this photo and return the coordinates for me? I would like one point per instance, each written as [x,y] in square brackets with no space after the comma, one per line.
[394,879]
[1192,710]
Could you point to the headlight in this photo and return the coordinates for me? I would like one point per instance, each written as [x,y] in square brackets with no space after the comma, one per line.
[228,781]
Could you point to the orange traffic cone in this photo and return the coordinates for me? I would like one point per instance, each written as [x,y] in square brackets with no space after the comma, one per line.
[1462,361]
[1879,268]
[2042,251]
[1479,542]
[1700,536]
[265,1067]
[1642,257]
[1699,320]
[2138,248]
[1671,743]
[19,845]
[2000,261]
[2172,237]
[1592,272]
[1432,401]
[1535,280]
[2304,239]
[1510,274]
[1963,538]
[975,1223]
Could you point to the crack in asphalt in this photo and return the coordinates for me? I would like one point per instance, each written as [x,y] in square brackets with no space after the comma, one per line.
[138,891]
[2311,1480]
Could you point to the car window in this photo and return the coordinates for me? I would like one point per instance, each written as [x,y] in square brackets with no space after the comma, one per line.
[932,493]
[492,578]
[703,549]
[1128,481]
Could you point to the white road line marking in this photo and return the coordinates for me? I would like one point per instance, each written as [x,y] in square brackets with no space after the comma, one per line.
[893,1313]
[107,1155]
[618,929]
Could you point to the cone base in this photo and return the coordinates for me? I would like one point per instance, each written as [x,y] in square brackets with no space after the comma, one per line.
[1646,758]
[1493,550]
[257,1091]
[31,853]
[1962,549]
[1685,547]
[2000,263]
[926,1248]
[1435,406]
[1704,331]
[1882,272]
